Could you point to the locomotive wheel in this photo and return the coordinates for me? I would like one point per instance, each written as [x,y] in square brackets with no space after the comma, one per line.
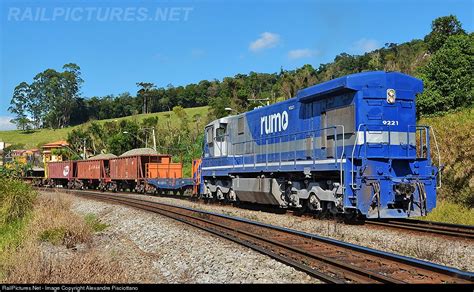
[352,218]
[313,204]
[219,195]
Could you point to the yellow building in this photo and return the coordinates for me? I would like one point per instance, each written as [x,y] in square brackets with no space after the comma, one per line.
[49,153]
[26,156]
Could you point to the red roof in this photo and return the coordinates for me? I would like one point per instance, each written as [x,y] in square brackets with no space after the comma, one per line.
[60,143]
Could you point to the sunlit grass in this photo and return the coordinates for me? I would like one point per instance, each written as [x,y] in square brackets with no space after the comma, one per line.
[94,223]
[37,138]
[454,133]
[451,213]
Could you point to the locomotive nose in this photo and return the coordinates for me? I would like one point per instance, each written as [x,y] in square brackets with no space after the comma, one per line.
[404,190]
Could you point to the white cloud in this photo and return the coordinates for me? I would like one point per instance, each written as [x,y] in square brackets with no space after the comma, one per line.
[197,53]
[5,124]
[267,40]
[365,45]
[302,53]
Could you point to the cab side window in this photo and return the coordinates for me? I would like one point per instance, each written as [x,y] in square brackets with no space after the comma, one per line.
[210,135]
[220,133]
[240,126]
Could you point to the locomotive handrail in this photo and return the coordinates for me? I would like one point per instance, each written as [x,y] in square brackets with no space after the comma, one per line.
[289,135]
[286,135]
[342,153]
[365,143]
[439,158]
[279,137]
[428,147]
[352,155]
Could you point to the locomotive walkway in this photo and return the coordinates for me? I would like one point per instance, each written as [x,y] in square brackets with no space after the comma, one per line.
[327,259]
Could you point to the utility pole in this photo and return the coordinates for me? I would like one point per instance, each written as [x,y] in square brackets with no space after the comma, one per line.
[85,156]
[154,138]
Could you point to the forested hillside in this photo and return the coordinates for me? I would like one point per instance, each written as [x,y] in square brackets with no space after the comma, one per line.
[443,59]
[46,108]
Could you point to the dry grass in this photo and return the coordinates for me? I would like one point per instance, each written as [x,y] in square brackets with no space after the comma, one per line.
[37,266]
[428,251]
[54,218]
[454,133]
[46,254]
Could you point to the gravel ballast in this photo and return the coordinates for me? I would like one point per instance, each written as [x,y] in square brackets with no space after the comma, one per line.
[441,250]
[156,249]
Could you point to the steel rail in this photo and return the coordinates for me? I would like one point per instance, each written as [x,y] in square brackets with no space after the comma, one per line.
[292,254]
[452,230]
[350,272]
[457,231]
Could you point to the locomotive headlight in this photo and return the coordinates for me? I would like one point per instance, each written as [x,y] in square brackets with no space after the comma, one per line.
[391,96]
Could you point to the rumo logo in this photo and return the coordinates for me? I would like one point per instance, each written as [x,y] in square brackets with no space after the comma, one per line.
[274,123]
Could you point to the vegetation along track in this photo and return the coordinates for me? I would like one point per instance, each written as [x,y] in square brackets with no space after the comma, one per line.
[327,259]
[420,226]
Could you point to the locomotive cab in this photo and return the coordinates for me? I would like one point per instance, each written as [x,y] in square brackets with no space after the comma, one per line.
[216,138]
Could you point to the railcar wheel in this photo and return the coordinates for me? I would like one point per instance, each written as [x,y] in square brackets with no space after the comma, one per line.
[232,196]
[188,192]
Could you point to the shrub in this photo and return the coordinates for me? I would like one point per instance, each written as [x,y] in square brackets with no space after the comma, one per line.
[93,222]
[53,235]
[453,133]
[16,200]
[451,213]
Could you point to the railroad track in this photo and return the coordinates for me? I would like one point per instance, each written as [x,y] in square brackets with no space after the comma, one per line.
[447,230]
[444,229]
[329,260]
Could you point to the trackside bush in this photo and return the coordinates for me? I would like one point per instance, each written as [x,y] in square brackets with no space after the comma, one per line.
[16,199]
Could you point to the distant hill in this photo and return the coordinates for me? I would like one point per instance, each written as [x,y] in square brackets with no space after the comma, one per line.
[37,138]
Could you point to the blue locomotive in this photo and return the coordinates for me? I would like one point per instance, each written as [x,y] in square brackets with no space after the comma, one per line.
[350,145]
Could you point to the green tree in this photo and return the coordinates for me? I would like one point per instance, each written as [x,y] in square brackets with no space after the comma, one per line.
[18,105]
[441,29]
[145,93]
[448,77]
[52,96]
[70,83]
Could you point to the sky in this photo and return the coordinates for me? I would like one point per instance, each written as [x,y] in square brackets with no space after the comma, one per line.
[122,42]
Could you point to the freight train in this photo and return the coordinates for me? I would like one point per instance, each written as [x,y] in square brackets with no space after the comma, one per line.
[347,146]
[141,170]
